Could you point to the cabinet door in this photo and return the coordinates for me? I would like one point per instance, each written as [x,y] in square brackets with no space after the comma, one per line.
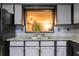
[76,13]
[61,51]
[18,14]
[8,7]
[31,51]
[47,51]
[64,14]
[16,51]
[16,48]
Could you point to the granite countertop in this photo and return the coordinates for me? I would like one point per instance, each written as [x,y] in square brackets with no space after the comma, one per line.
[73,37]
[43,38]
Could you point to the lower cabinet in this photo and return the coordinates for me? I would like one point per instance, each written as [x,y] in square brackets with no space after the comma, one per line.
[16,51]
[47,51]
[61,51]
[61,48]
[37,48]
[31,51]
[16,48]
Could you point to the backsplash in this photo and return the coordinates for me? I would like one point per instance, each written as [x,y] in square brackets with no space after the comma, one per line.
[58,30]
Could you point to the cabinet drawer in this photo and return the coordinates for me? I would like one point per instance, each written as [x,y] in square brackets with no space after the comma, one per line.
[31,43]
[16,43]
[61,43]
[47,43]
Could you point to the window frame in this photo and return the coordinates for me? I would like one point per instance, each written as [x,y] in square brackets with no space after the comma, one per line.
[54,8]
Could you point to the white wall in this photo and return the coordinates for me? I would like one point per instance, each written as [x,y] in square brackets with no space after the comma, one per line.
[8,7]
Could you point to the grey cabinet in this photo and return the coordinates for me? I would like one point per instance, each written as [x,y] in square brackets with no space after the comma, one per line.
[18,14]
[61,51]
[8,7]
[16,51]
[61,48]
[47,48]
[64,14]
[76,13]
[38,48]
[16,48]
[31,51]
[32,48]
[47,51]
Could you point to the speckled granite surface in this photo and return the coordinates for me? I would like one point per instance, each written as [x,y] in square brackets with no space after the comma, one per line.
[72,37]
